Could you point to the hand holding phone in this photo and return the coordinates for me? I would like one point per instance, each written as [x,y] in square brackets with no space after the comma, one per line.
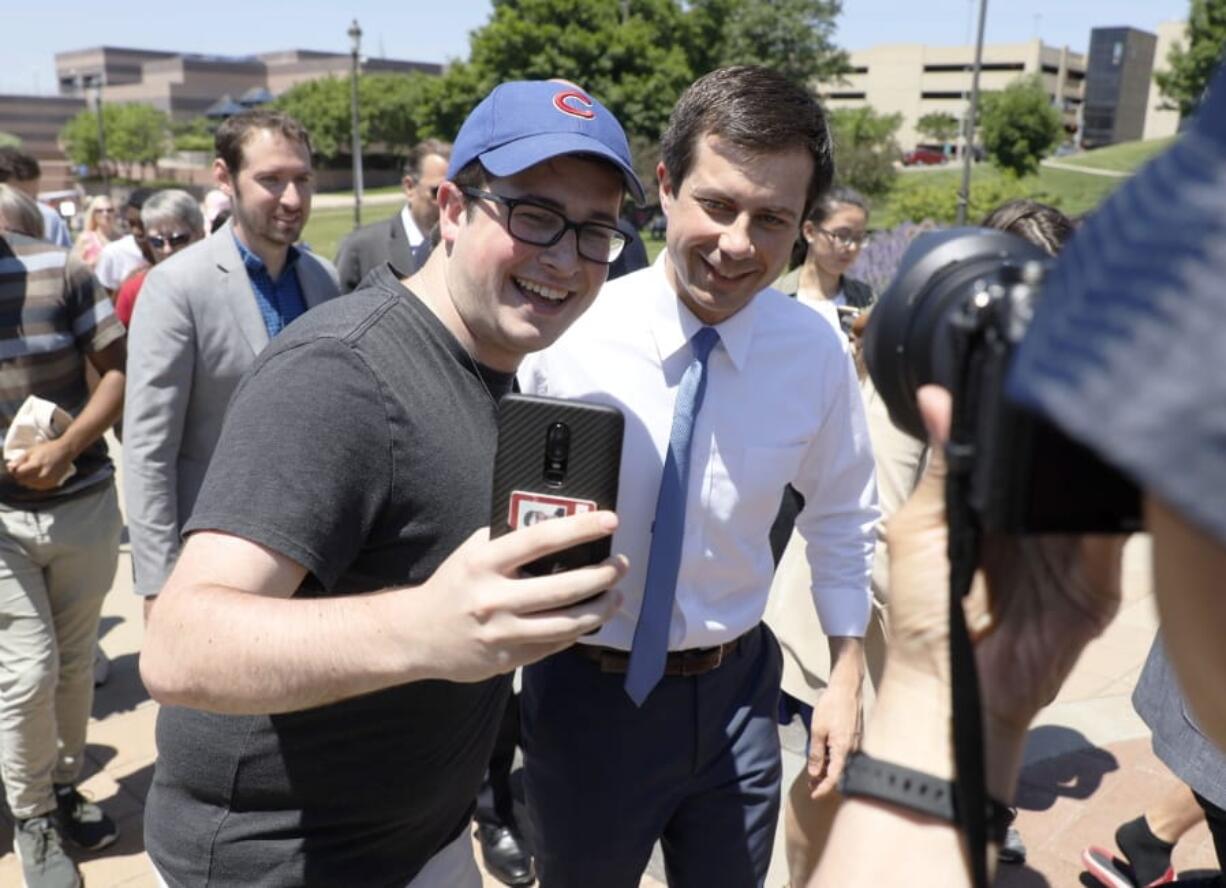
[555,458]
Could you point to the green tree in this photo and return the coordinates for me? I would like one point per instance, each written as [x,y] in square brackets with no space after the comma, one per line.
[865,148]
[1018,125]
[8,140]
[136,135]
[636,56]
[1191,66]
[389,106]
[192,135]
[795,37]
[140,136]
[938,126]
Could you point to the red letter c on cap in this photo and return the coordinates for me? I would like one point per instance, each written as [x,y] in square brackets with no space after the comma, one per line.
[574,103]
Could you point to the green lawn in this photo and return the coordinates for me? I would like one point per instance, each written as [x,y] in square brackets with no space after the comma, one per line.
[1124,157]
[329,226]
[1073,192]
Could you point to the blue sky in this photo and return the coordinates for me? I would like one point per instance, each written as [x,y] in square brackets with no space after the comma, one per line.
[436,30]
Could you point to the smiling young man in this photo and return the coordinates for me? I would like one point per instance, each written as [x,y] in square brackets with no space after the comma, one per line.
[334,641]
[203,316]
[731,390]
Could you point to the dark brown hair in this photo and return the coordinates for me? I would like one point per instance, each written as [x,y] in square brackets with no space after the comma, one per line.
[17,166]
[422,150]
[756,109]
[1042,225]
[235,132]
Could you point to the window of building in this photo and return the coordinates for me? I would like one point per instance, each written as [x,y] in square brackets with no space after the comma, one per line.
[1117,53]
[845,95]
[967,66]
[955,94]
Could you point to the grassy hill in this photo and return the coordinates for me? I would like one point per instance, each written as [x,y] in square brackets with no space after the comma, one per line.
[932,194]
[1125,157]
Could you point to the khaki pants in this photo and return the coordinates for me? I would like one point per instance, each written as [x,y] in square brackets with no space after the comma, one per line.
[56,566]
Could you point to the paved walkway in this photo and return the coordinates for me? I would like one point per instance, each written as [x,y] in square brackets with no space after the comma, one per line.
[1088,762]
[1091,171]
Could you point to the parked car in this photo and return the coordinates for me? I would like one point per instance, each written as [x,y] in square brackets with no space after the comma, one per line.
[923,157]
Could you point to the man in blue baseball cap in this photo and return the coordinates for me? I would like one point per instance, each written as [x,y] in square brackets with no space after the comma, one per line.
[334,642]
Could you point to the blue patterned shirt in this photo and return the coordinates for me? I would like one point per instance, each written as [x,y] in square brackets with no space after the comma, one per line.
[280,301]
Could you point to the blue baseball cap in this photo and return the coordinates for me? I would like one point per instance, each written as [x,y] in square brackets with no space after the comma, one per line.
[524,122]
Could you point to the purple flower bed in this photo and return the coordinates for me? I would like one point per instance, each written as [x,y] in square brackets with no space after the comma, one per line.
[878,260]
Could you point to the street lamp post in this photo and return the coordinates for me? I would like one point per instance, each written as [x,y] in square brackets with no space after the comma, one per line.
[355,44]
[964,193]
[94,85]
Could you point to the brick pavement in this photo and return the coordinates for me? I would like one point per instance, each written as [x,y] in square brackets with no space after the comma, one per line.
[1088,761]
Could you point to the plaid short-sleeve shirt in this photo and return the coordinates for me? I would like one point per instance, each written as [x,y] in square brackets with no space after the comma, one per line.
[51,318]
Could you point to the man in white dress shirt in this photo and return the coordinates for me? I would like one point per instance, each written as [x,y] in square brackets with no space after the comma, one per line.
[404,239]
[624,747]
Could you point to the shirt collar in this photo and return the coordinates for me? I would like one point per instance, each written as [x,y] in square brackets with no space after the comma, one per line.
[254,264]
[411,231]
[673,325]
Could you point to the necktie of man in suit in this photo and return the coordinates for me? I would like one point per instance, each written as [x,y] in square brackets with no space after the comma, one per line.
[650,648]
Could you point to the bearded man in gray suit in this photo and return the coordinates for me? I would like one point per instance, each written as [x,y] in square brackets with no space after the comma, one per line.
[203,316]
[404,239]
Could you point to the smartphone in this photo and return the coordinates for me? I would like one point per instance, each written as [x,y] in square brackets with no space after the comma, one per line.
[555,458]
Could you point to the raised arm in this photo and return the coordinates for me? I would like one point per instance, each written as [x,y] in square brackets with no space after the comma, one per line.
[227,637]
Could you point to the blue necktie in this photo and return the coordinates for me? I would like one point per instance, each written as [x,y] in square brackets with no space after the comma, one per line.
[650,648]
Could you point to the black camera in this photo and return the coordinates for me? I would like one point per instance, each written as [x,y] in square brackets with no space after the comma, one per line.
[954,315]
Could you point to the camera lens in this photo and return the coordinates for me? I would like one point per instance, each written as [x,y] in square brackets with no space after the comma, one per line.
[908,340]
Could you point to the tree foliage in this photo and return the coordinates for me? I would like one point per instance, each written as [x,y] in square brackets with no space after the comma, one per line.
[795,37]
[865,148]
[938,126]
[1192,65]
[922,201]
[8,140]
[636,56]
[136,135]
[1018,125]
[389,106]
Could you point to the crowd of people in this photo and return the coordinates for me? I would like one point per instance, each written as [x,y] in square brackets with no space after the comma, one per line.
[308,453]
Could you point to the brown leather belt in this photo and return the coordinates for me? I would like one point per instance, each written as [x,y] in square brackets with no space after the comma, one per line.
[695,661]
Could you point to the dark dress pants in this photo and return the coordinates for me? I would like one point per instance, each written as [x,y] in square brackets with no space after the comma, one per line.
[495,805]
[697,767]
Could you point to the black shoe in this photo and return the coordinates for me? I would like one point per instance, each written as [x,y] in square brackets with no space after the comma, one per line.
[506,858]
[81,821]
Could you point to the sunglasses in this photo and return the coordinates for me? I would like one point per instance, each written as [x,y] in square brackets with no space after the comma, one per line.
[172,240]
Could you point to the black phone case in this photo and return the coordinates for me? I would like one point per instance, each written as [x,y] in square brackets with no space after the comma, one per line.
[592,467]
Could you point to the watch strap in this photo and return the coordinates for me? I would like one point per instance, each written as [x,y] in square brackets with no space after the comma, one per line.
[867,777]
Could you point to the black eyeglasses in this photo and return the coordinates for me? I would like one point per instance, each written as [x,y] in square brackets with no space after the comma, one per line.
[845,237]
[543,227]
[172,240]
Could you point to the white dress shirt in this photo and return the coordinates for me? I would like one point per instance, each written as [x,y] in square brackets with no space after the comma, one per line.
[411,231]
[781,406]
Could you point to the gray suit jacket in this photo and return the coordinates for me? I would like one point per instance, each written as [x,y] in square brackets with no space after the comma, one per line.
[195,331]
[373,245]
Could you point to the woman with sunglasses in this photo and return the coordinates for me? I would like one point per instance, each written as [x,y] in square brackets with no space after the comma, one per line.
[172,220]
[99,230]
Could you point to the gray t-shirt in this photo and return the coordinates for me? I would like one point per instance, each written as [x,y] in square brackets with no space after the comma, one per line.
[360,445]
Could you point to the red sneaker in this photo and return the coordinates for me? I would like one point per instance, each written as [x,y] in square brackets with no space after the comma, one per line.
[1115,873]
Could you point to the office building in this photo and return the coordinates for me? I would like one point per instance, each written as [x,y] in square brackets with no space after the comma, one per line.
[1118,78]
[913,80]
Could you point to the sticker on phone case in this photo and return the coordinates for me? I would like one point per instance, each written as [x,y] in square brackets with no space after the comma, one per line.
[528,508]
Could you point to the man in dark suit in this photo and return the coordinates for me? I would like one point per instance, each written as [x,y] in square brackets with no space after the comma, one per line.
[404,239]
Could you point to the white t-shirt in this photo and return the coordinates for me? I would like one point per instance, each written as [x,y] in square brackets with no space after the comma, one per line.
[117,260]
